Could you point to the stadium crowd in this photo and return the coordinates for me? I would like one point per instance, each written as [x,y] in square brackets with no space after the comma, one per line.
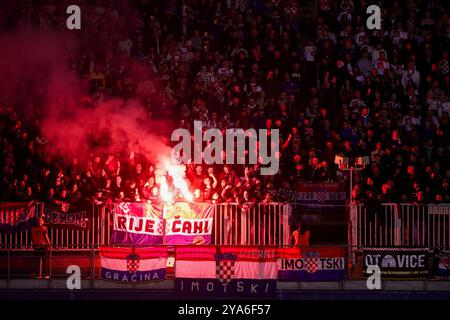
[311,69]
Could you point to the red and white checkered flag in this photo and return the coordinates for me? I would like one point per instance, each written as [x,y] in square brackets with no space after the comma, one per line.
[321,196]
[311,264]
[225,270]
[133,263]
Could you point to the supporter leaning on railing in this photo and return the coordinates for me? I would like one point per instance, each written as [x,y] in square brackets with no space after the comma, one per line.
[300,236]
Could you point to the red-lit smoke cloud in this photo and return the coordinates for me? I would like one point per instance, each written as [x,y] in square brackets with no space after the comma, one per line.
[35,69]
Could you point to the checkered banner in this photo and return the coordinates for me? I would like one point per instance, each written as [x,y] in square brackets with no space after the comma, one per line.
[133,265]
[318,264]
[229,271]
[320,193]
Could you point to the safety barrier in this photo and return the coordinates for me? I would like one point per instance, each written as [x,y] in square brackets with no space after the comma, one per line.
[385,225]
[258,224]
[98,233]
[404,224]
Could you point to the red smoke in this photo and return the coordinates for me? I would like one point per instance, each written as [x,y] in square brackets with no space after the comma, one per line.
[35,67]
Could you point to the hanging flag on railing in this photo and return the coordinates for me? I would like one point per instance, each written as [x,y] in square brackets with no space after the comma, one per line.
[311,264]
[143,223]
[66,215]
[398,263]
[443,268]
[16,217]
[235,271]
[133,265]
[189,223]
[137,223]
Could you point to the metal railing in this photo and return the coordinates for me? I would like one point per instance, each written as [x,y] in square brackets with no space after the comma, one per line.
[385,225]
[258,224]
[98,233]
[404,224]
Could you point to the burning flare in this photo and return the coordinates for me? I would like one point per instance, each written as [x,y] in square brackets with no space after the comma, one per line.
[178,175]
[166,195]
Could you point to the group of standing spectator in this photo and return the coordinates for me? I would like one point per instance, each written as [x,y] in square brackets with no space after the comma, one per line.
[310,69]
